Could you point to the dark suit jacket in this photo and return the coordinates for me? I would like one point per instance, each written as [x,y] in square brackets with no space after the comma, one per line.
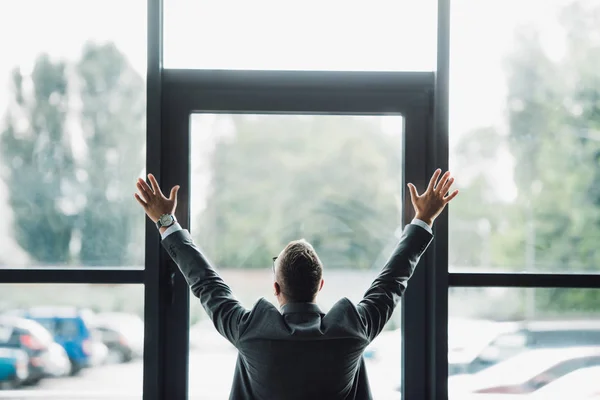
[300,352]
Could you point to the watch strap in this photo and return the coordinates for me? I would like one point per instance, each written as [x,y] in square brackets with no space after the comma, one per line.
[160,225]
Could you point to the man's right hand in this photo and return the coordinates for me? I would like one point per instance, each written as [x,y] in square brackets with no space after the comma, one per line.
[153,201]
[431,203]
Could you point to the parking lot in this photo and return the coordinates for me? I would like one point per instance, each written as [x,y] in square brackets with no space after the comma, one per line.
[210,379]
[475,346]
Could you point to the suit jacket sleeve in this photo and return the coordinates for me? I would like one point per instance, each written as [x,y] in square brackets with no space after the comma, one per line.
[379,302]
[216,297]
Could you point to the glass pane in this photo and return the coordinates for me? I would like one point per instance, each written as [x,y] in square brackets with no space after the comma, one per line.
[72,132]
[75,341]
[260,181]
[525,146]
[540,343]
[384,35]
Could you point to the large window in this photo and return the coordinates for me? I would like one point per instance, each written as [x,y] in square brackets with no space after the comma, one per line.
[524,136]
[523,311]
[72,133]
[260,181]
[72,143]
[282,121]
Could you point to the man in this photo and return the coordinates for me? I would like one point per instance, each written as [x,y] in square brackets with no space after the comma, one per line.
[299,352]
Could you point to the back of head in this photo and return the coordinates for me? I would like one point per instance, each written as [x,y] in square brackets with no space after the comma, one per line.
[299,271]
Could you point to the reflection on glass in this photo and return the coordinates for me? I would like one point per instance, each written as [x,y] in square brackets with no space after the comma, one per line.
[384,35]
[72,133]
[260,181]
[78,341]
[543,343]
[524,136]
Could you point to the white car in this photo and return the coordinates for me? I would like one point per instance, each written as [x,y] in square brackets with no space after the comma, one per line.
[469,339]
[526,372]
[99,353]
[581,384]
[56,361]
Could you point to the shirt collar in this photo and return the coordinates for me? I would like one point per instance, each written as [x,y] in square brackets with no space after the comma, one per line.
[290,308]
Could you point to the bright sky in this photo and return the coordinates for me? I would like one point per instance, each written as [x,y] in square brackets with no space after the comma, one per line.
[275,34]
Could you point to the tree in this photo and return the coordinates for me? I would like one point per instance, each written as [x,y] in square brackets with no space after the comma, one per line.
[553,120]
[332,180]
[113,124]
[553,112]
[39,163]
[480,213]
[60,190]
[554,129]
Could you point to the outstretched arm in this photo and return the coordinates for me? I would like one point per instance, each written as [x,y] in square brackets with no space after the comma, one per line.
[216,297]
[379,302]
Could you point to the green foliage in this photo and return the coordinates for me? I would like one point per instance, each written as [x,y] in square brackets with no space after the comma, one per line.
[332,180]
[556,168]
[70,174]
[553,124]
[113,121]
[39,162]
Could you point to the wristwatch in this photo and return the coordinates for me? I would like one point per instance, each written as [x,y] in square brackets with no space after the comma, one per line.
[165,221]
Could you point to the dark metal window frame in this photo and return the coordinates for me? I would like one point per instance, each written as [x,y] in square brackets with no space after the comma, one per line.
[409,94]
[172,95]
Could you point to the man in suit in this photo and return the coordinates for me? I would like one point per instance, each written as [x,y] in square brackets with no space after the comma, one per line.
[297,351]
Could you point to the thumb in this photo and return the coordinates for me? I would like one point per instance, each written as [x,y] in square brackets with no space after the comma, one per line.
[174,190]
[413,192]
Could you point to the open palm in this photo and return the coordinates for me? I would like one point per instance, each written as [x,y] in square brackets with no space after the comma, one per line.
[432,202]
[153,200]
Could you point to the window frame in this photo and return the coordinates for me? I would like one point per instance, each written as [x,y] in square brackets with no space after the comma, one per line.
[185,92]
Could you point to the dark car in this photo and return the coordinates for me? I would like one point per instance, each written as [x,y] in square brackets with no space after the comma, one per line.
[32,338]
[122,333]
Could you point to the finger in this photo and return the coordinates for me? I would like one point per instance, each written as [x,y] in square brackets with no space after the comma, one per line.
[174,191]
[154,184]
[139,200]
[451,196]
[145,186]
[413,192]
[447,186]
[433,179]
[145,195]
[443,180]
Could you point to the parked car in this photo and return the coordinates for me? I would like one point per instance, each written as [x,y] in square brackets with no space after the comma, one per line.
[56,361]
[468,338]
[30,337]
[508,339]
[13,367]
[580,384]
[525,372]
[122,333]
[72,329]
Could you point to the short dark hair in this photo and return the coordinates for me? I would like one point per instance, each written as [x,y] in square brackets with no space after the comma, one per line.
[300,271]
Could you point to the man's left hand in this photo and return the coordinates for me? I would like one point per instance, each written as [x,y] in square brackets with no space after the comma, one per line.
[153,200]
